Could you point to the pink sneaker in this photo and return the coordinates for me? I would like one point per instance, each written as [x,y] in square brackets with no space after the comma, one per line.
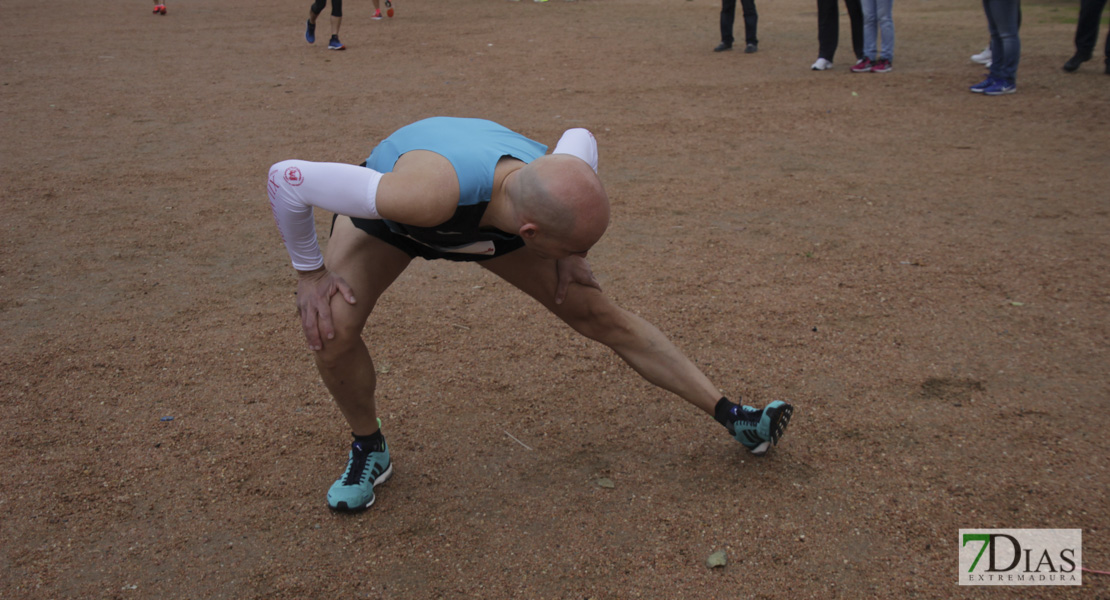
[883,66]
[863,65]
[377,15]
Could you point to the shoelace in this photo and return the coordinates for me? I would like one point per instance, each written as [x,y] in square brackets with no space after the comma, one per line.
[749,415]
[357,466]
[745,415]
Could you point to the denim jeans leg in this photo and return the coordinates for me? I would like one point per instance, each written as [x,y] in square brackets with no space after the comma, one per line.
[870,20]
[884,10]
[1004,17]
[996,46]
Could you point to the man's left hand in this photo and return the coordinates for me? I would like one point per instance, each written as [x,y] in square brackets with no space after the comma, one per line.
[573,269]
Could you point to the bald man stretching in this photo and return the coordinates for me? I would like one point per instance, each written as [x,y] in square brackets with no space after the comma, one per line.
[465,190]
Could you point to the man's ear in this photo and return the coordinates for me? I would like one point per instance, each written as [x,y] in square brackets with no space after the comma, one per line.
[528,231]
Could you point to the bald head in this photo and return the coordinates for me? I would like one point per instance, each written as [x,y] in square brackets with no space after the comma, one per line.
[562,196]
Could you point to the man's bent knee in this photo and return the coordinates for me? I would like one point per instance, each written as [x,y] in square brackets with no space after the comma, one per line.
[337,350]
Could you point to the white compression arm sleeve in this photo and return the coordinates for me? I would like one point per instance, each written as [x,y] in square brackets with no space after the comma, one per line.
[295,186]
[578,142]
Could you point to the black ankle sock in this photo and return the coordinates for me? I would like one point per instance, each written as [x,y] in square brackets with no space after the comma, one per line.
[725,412]
[373,442]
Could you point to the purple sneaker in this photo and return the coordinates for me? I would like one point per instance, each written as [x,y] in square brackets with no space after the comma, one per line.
[980,87]
[1001,87]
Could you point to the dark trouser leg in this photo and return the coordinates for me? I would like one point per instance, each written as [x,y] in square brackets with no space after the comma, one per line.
[751,18]
[855,16]
[728,15]
[318,7]
[828,28]
[1086,30]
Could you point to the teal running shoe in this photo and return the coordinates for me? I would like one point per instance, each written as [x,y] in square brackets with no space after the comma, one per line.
[758,430]
[354,491]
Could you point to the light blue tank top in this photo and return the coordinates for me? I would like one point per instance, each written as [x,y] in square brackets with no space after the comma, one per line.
[472,146]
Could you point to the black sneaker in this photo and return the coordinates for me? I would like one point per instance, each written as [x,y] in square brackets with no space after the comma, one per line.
[751,48]
[1073,63]
[722,47]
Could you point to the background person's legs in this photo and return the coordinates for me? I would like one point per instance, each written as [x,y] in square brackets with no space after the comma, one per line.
[870,33]
[884,10]
[1086,34]
[828,28]
[728,17]
[315,10]
[336,16]
[1003,18]
[855,21]
[751,21]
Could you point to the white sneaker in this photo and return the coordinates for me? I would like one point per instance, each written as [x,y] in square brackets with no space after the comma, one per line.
[821,65]
[984,57]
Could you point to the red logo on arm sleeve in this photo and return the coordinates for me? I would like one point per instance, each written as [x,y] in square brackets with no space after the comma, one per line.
[293,176]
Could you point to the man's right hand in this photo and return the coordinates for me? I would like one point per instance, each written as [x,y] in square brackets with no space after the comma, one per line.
[314,292]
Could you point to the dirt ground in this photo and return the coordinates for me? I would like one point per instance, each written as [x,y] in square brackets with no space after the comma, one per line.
[922,271]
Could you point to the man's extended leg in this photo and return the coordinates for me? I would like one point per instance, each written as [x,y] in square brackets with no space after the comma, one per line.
[643,347]
[592,314]
[369,266]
